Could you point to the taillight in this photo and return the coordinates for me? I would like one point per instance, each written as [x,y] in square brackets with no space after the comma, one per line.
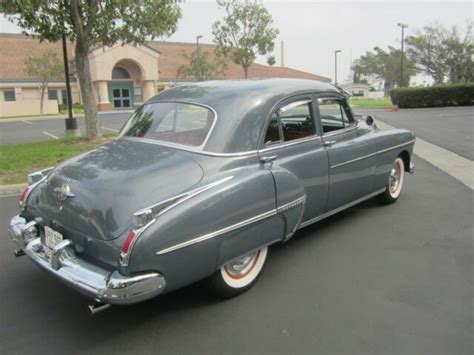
[130,237]
[125,255]
[23,196]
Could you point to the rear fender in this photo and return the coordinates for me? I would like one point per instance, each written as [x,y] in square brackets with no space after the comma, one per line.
[190,241]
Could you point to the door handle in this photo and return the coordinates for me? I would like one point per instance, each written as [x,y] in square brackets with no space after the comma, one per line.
[268,159]
[328,143]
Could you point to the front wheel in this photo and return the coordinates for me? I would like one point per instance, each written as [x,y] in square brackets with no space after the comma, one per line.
[239,275]
[395,183]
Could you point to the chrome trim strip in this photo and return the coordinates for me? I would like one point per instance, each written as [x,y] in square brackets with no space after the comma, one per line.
[191,150]
[372,154]
[218,232]
[353,160]
[397,146]
[341,208]
[292,204]
[181,198]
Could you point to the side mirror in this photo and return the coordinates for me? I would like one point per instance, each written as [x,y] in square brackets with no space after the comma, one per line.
[369,120]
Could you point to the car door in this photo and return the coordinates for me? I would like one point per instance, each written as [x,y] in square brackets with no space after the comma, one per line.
[293,151]
[351,153]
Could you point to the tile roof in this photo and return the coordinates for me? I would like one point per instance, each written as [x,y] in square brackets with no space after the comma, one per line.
[17,48]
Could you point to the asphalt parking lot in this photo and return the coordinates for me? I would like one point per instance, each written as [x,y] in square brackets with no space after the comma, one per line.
[449,127]
[372,280]
[33,130]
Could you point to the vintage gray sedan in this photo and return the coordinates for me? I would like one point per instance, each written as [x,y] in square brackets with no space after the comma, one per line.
[201,180]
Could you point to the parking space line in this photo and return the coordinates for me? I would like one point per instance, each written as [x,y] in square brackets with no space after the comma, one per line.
[27,122]
[51,135]
[109,129]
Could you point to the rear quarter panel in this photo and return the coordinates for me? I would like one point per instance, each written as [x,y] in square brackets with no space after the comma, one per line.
[249,193]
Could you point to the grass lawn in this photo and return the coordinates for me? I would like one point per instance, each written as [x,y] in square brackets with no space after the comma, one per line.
[371,103]
[18,160]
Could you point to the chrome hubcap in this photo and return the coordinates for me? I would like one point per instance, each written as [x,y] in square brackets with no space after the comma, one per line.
[394,179]
[242,265]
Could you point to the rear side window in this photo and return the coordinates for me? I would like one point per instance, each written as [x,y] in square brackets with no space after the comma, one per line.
[334,115]
[173,122]
[290,122]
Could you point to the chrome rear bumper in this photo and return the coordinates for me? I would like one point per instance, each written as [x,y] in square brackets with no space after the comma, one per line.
[95,282]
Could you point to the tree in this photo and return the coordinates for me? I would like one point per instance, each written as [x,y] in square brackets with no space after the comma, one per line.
[45,67]
[383,66]
[245,32]
[200,66]
[91,23]
[443,53]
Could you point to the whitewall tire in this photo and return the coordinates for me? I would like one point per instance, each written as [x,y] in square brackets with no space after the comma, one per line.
[395,182]
[239,275]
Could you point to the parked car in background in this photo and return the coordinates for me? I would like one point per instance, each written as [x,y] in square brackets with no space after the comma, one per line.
[201,180]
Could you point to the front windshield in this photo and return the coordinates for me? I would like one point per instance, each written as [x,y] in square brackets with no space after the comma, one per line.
[180,123]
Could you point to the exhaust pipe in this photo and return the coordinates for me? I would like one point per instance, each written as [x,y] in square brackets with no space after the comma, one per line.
[19,252]
[97,307]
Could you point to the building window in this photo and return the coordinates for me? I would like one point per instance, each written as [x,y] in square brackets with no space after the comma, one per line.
[52,94]
[64,97]
[120,73]
[9,95]
[137,91]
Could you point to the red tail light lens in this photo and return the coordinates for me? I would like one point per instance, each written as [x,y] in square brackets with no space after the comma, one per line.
[130,237]
[23,195]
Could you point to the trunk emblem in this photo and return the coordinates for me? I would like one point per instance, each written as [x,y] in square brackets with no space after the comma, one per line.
[63,192]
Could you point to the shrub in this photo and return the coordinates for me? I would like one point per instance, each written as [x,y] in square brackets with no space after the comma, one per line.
[439,95]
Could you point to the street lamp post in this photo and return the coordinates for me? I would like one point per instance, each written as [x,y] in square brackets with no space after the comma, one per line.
[335,65]
[403,26]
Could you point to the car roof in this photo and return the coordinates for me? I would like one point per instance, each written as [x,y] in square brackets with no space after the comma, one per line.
[242,106]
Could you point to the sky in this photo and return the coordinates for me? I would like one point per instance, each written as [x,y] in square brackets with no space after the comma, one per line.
[313,30]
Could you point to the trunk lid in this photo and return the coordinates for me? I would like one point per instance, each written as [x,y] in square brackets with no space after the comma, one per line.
[96,193]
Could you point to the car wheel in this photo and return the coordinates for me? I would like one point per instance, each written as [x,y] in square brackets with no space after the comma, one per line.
[395,183]
[239,275]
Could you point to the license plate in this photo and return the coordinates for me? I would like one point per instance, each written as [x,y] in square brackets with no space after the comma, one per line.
[51,237]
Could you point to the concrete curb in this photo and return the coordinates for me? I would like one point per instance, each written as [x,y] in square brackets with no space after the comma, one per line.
[458,167]
[7,190]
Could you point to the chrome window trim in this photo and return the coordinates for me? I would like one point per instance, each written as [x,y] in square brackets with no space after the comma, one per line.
[294,104]
[197,148]
[372,154]
[340,131]
[289,143]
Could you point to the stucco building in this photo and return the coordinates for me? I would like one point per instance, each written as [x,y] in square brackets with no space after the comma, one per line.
[123,76]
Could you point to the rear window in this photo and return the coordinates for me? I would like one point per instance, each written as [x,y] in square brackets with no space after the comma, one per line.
[180,123]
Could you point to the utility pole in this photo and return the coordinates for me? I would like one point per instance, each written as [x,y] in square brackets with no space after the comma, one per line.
[335,65]
[198,57]
[403,26]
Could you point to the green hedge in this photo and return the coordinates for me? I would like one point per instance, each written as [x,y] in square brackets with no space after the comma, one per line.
[440,95]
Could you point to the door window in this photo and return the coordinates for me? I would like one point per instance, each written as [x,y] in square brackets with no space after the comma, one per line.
[290,122]
[334,115]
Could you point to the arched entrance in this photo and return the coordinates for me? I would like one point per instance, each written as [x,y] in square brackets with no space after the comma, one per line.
[124,88]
